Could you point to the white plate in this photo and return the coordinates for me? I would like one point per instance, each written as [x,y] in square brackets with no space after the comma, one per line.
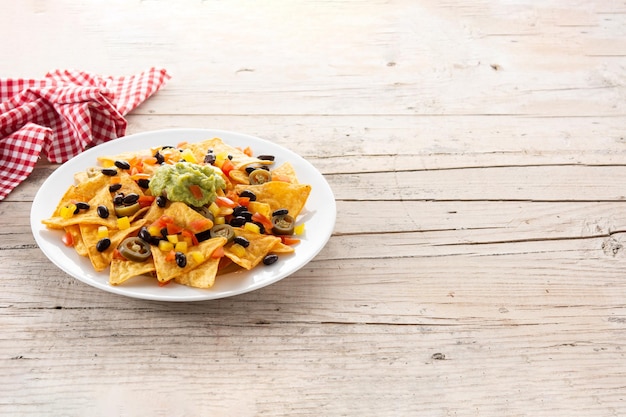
[319,215]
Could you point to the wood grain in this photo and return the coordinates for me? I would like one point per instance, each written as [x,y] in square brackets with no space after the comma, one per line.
[476,152]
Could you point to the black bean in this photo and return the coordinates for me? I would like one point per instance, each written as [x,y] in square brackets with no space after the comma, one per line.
[109,171]
[118,200]
[122,164]
[103,244]
[82,205]
[242,241]
[114,187]
[131,199]
[266,157]
[230,157]
[167,147]
[237,221]
[164,232]
[160,159]
[238,210]
[144,234]
[202,236]
[280,212]
[161,201]
[209,159]
[143,183]
[103,211]
[249,194]
[181,259]
[250,169]
[261,227]
[246,215]
[270,259]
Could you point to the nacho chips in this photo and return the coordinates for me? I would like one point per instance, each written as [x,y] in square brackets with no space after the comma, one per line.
[113,203]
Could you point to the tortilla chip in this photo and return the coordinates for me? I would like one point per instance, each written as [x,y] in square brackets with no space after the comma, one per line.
[103,197]
[123,270]
[287,170]
[260,245]
[239,158]
[101,260]
[280,194]
[128,185]
[169,270]
[83,191]
[201,277]
[239,176]
[77,237]
[184,215]
[281,248]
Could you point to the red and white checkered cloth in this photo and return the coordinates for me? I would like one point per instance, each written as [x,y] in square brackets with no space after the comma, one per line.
[62,114]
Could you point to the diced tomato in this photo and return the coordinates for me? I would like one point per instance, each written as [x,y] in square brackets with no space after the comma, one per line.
[267,224]
[248,151]
[196,191]
[117,255]
[171,256]
[227,166]
[146,200]
[218,253]
[68,239]
[288,240]
[232,195]
[173,229]
[200,225]
[243,201]
[279,177]
[140,175]
[225,202]
[150,160]
[163,221]
[187,234]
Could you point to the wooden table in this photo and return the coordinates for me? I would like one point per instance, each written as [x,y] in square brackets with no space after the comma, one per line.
[477,153]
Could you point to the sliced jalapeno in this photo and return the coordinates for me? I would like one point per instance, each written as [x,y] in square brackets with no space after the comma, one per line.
[283,225]
[223,230]
[122,211]
[135,249]
[260,176]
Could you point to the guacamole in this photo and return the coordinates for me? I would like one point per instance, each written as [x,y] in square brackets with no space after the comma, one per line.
[180,182]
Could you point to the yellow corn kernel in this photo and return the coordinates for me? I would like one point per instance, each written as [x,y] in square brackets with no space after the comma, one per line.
[103,232]
[299,229]
[198,257]
[252,227]
[123,223]
[68,211]
[261,208]
[181,247]
[106,162]
[154,231]
[214,209]
[238,250]
[219,220]
[165,246]
[188,156]
[173,238]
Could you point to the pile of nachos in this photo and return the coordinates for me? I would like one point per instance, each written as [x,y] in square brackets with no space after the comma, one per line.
[184,213]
